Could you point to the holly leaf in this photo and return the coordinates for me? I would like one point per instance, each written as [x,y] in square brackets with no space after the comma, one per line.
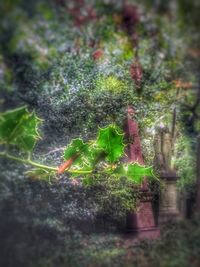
[110,139]
[19,127]
[134,172]
[77,146]
[85,155]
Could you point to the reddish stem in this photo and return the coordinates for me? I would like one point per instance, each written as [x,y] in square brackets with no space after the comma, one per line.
[66,164]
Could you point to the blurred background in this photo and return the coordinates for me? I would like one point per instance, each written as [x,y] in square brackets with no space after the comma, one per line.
[78,64]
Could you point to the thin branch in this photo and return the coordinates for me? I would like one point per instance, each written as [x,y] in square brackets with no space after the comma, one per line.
[38,165]
[27,161]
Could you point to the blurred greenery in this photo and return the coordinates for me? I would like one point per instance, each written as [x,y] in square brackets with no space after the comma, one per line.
[77,77]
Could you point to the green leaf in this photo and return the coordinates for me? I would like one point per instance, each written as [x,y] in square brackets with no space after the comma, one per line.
[134,172]
[77,146]
[87,154]
[110,139]
[19,127]
[91,156]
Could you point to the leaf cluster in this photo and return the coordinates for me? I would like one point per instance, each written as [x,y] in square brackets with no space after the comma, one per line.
[19,127]
[103,156]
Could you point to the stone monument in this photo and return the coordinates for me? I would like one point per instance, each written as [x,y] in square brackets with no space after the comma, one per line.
[164,145]
[140,223]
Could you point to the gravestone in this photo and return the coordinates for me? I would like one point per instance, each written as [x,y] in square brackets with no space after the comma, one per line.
[163,144]
[140,223]
[168,199]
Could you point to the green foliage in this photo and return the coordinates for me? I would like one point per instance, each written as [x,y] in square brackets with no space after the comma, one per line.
[107,148]
[47,64]
[84,155]
[113,193]
[185,164]
[79,92]
[134,172]
[20,128]
[76,147]
[111,84]
[110,139]
[45,11]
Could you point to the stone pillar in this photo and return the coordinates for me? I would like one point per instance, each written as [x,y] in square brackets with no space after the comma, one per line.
[142,222]
[169,199]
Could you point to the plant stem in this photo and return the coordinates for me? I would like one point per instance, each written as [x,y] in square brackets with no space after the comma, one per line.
[80,172]
[38,165]
[27,161]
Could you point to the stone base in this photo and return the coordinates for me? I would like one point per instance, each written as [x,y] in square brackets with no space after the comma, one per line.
[148,233]
[169,216]
[168,200]
[142,223]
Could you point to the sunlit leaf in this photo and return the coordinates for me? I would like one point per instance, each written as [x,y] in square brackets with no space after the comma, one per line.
[76,147]
[134,172]
[86,154]
[110,139]
[19,127]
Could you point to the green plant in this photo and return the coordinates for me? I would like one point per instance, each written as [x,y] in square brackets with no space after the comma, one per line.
[111,84]
[185,165]
[19,128]
[113,196]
